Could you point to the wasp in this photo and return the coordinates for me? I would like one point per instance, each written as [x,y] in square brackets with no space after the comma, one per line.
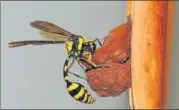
[77,47]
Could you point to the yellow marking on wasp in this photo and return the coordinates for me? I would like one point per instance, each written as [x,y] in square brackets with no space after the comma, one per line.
[89,57]
[69,45]
[73,86]
[80,93]
[81,41]
[86,95]
[76,53]
[85,39]
[89,99]
[65,68]
[67,78]
[89,61]
[91,43]
[85,53]
[88,40]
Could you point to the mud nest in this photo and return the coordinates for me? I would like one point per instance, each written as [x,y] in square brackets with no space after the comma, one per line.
[115,77]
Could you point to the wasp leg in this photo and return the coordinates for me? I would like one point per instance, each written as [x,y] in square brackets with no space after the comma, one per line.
[92,64]
[98,41]
[98,66]
[81,65]
[78,76]
[72,72]
[89,62]
[72,63]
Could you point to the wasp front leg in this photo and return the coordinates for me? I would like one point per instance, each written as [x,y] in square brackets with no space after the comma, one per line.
[92,64]
[98,41]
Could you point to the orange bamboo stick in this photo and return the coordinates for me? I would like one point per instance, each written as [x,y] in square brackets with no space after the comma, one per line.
[129,8]
[148,49]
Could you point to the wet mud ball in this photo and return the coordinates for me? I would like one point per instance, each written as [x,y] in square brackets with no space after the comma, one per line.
[114,54]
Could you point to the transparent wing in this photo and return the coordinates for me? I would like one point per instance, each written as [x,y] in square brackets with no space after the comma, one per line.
[53,36]
[45,26]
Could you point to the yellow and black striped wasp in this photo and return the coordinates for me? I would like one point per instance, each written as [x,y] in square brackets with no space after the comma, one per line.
[76,45]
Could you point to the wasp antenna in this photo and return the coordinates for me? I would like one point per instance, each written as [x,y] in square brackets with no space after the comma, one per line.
[15,44]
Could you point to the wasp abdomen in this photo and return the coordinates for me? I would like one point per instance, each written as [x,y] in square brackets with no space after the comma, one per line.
[80,93]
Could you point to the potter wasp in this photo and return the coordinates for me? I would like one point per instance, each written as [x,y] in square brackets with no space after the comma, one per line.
[77,47]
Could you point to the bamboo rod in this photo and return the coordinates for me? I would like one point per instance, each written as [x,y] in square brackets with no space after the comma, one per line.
[129,8]
[148,49]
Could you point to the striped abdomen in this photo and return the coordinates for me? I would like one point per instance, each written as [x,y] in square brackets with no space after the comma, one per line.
[76,90]
[79,92]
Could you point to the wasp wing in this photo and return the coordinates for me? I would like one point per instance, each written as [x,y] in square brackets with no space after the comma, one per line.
[45,26]
[53,36]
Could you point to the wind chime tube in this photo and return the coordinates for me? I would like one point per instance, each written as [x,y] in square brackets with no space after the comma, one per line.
[148,52]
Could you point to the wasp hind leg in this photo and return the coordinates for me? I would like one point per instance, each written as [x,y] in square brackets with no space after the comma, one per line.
[78,76]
